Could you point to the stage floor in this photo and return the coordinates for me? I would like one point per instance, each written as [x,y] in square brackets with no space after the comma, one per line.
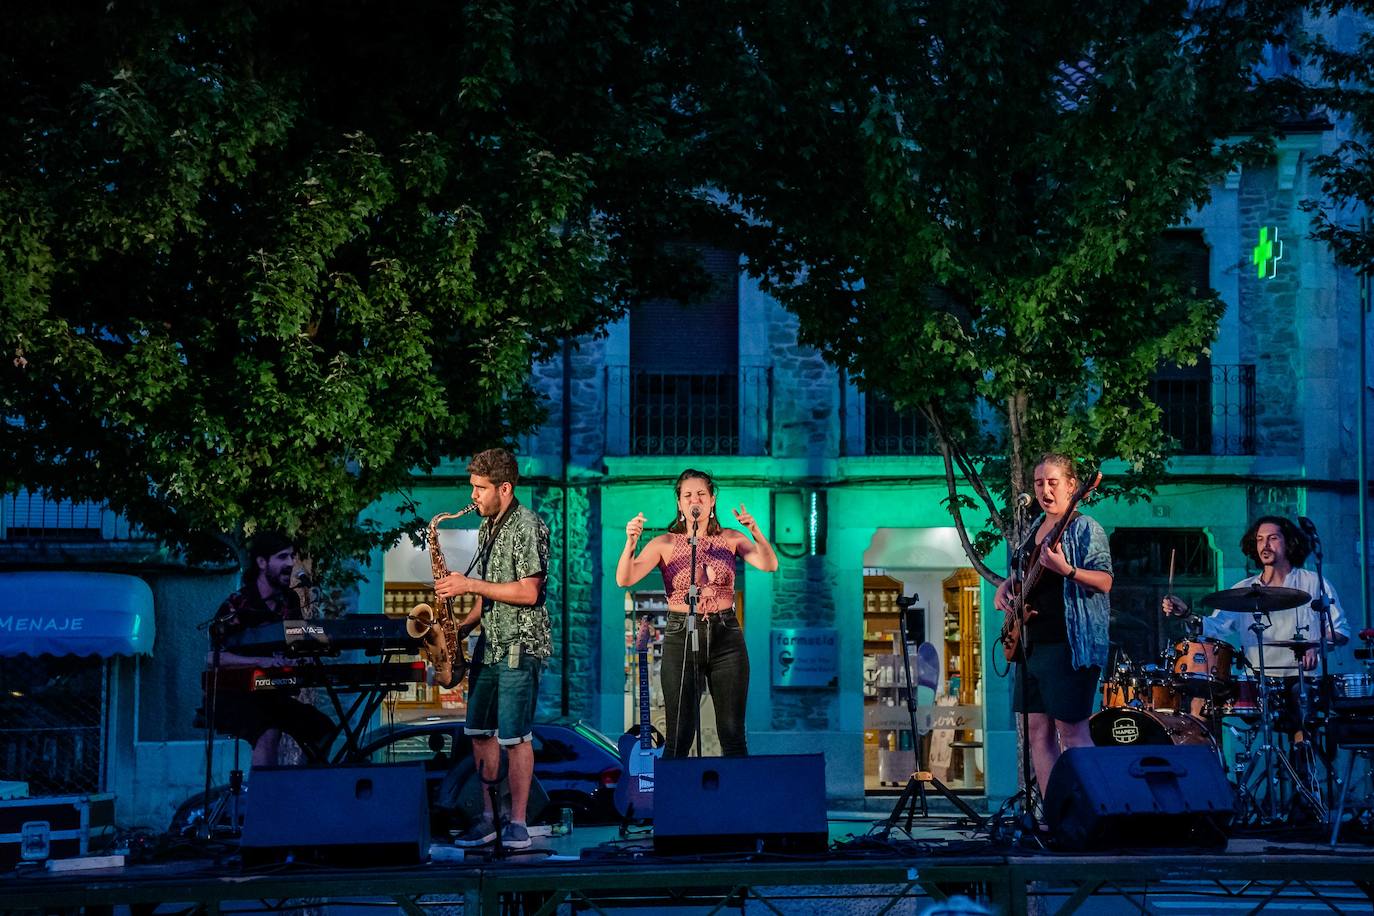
[596,869]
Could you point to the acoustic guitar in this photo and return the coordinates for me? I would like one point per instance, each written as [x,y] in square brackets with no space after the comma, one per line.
[634,794]
[1021,586]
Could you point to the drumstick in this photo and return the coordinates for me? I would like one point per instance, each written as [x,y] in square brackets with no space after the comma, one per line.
[1171,570]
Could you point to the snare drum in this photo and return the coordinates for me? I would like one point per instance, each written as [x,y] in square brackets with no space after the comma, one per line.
[1152,691]
[1203,661]
[1116,694]
[1243,702]
[1126,727]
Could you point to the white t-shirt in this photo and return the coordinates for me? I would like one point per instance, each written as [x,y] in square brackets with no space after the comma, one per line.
[1300,622]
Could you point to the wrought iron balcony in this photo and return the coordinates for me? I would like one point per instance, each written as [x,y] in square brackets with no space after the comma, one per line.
[1210,411]
[727,413]
[888,431]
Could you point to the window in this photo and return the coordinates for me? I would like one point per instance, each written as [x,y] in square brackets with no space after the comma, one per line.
[1208,409]
[684,369]
[1140,564]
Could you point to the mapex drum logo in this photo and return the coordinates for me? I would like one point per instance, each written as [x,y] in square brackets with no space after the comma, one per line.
[1125,731]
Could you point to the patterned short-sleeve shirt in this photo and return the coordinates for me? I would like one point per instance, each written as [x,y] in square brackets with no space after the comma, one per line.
[521,550]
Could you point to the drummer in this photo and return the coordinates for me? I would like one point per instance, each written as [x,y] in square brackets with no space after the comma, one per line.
[1280,549]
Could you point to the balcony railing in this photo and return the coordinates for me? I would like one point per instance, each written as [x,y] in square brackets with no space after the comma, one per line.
[727,413]
[1211,412]
[31,517]
[888,431]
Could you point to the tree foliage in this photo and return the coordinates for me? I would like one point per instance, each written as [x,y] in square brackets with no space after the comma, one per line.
[1345,88]
[962,202]
[260,261]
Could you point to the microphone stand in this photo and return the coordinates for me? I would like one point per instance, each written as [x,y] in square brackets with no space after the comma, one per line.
[690,644]
[1322,605]
[214,808]
[1028,825]
[915,791]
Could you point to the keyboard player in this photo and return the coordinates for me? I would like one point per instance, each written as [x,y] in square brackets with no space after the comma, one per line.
[261,717]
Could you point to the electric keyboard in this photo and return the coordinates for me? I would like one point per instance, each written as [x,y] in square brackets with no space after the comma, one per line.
[343,677]
[375,634]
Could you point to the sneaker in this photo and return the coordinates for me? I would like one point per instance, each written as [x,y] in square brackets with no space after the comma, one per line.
[515,836]
[479,834]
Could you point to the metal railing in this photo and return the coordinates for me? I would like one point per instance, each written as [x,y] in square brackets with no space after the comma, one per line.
[1211,412]
[726,413]
[888,431]
[33,517]
[51,723]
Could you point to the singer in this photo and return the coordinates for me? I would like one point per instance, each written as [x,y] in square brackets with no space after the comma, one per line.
[1067,640]
[719,654]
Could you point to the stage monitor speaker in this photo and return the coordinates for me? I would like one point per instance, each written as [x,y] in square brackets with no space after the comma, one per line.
[773,803]
[342,815]
[1138,797]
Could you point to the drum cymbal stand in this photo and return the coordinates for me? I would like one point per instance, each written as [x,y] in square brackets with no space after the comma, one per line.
[1322,605]
[1267,769]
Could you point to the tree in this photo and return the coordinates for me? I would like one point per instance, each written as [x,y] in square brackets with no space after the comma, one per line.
[261,261]
[961,202]
[1346,88]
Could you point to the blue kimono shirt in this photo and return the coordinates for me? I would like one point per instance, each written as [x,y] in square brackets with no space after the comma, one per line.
[1087,612]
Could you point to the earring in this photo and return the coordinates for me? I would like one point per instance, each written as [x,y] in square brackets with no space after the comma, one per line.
[713,513]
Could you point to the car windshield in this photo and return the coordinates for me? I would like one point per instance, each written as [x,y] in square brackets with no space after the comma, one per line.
[597,738]
[425,747]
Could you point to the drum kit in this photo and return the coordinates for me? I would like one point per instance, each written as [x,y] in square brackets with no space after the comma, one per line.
[1202,687]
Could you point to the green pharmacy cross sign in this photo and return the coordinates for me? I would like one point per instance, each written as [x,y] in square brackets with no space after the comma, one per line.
[1267,254]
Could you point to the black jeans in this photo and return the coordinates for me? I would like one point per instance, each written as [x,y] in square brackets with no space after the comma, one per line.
[722,660]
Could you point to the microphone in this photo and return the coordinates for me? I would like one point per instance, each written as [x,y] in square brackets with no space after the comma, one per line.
[696,512]
[1307,527]
[1024,501]
[696,516]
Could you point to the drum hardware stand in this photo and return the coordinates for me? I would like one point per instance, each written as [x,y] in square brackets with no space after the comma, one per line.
[915,791]
[1267,750]
[1322,605]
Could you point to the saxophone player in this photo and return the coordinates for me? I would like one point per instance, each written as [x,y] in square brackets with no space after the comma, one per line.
[512,564]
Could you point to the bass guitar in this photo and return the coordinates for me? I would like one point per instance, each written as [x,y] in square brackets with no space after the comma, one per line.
[1021,586]
[634,793]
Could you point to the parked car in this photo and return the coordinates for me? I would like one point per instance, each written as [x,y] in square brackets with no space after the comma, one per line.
[576,765]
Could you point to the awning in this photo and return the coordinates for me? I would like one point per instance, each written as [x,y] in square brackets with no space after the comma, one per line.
[75,613]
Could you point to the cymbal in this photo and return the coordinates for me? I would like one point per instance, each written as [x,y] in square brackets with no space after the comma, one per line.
[1297,645]
[1256,598]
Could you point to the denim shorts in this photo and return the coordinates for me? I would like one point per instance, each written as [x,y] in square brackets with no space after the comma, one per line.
[501,700]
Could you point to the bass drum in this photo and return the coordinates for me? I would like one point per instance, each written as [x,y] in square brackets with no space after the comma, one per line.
[1127,727]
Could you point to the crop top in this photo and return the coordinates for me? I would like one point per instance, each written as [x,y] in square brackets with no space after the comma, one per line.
[715,572]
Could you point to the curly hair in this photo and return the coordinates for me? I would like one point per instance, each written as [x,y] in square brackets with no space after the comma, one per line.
[496,465]
[1296,546]
[679,525]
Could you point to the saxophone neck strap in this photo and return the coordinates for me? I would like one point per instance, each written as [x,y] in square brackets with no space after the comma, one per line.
[483,554]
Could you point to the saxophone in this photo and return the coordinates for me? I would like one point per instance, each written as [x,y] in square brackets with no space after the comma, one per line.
[441,646]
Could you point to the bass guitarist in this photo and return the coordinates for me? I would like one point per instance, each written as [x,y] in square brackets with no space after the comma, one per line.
[1063,622]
